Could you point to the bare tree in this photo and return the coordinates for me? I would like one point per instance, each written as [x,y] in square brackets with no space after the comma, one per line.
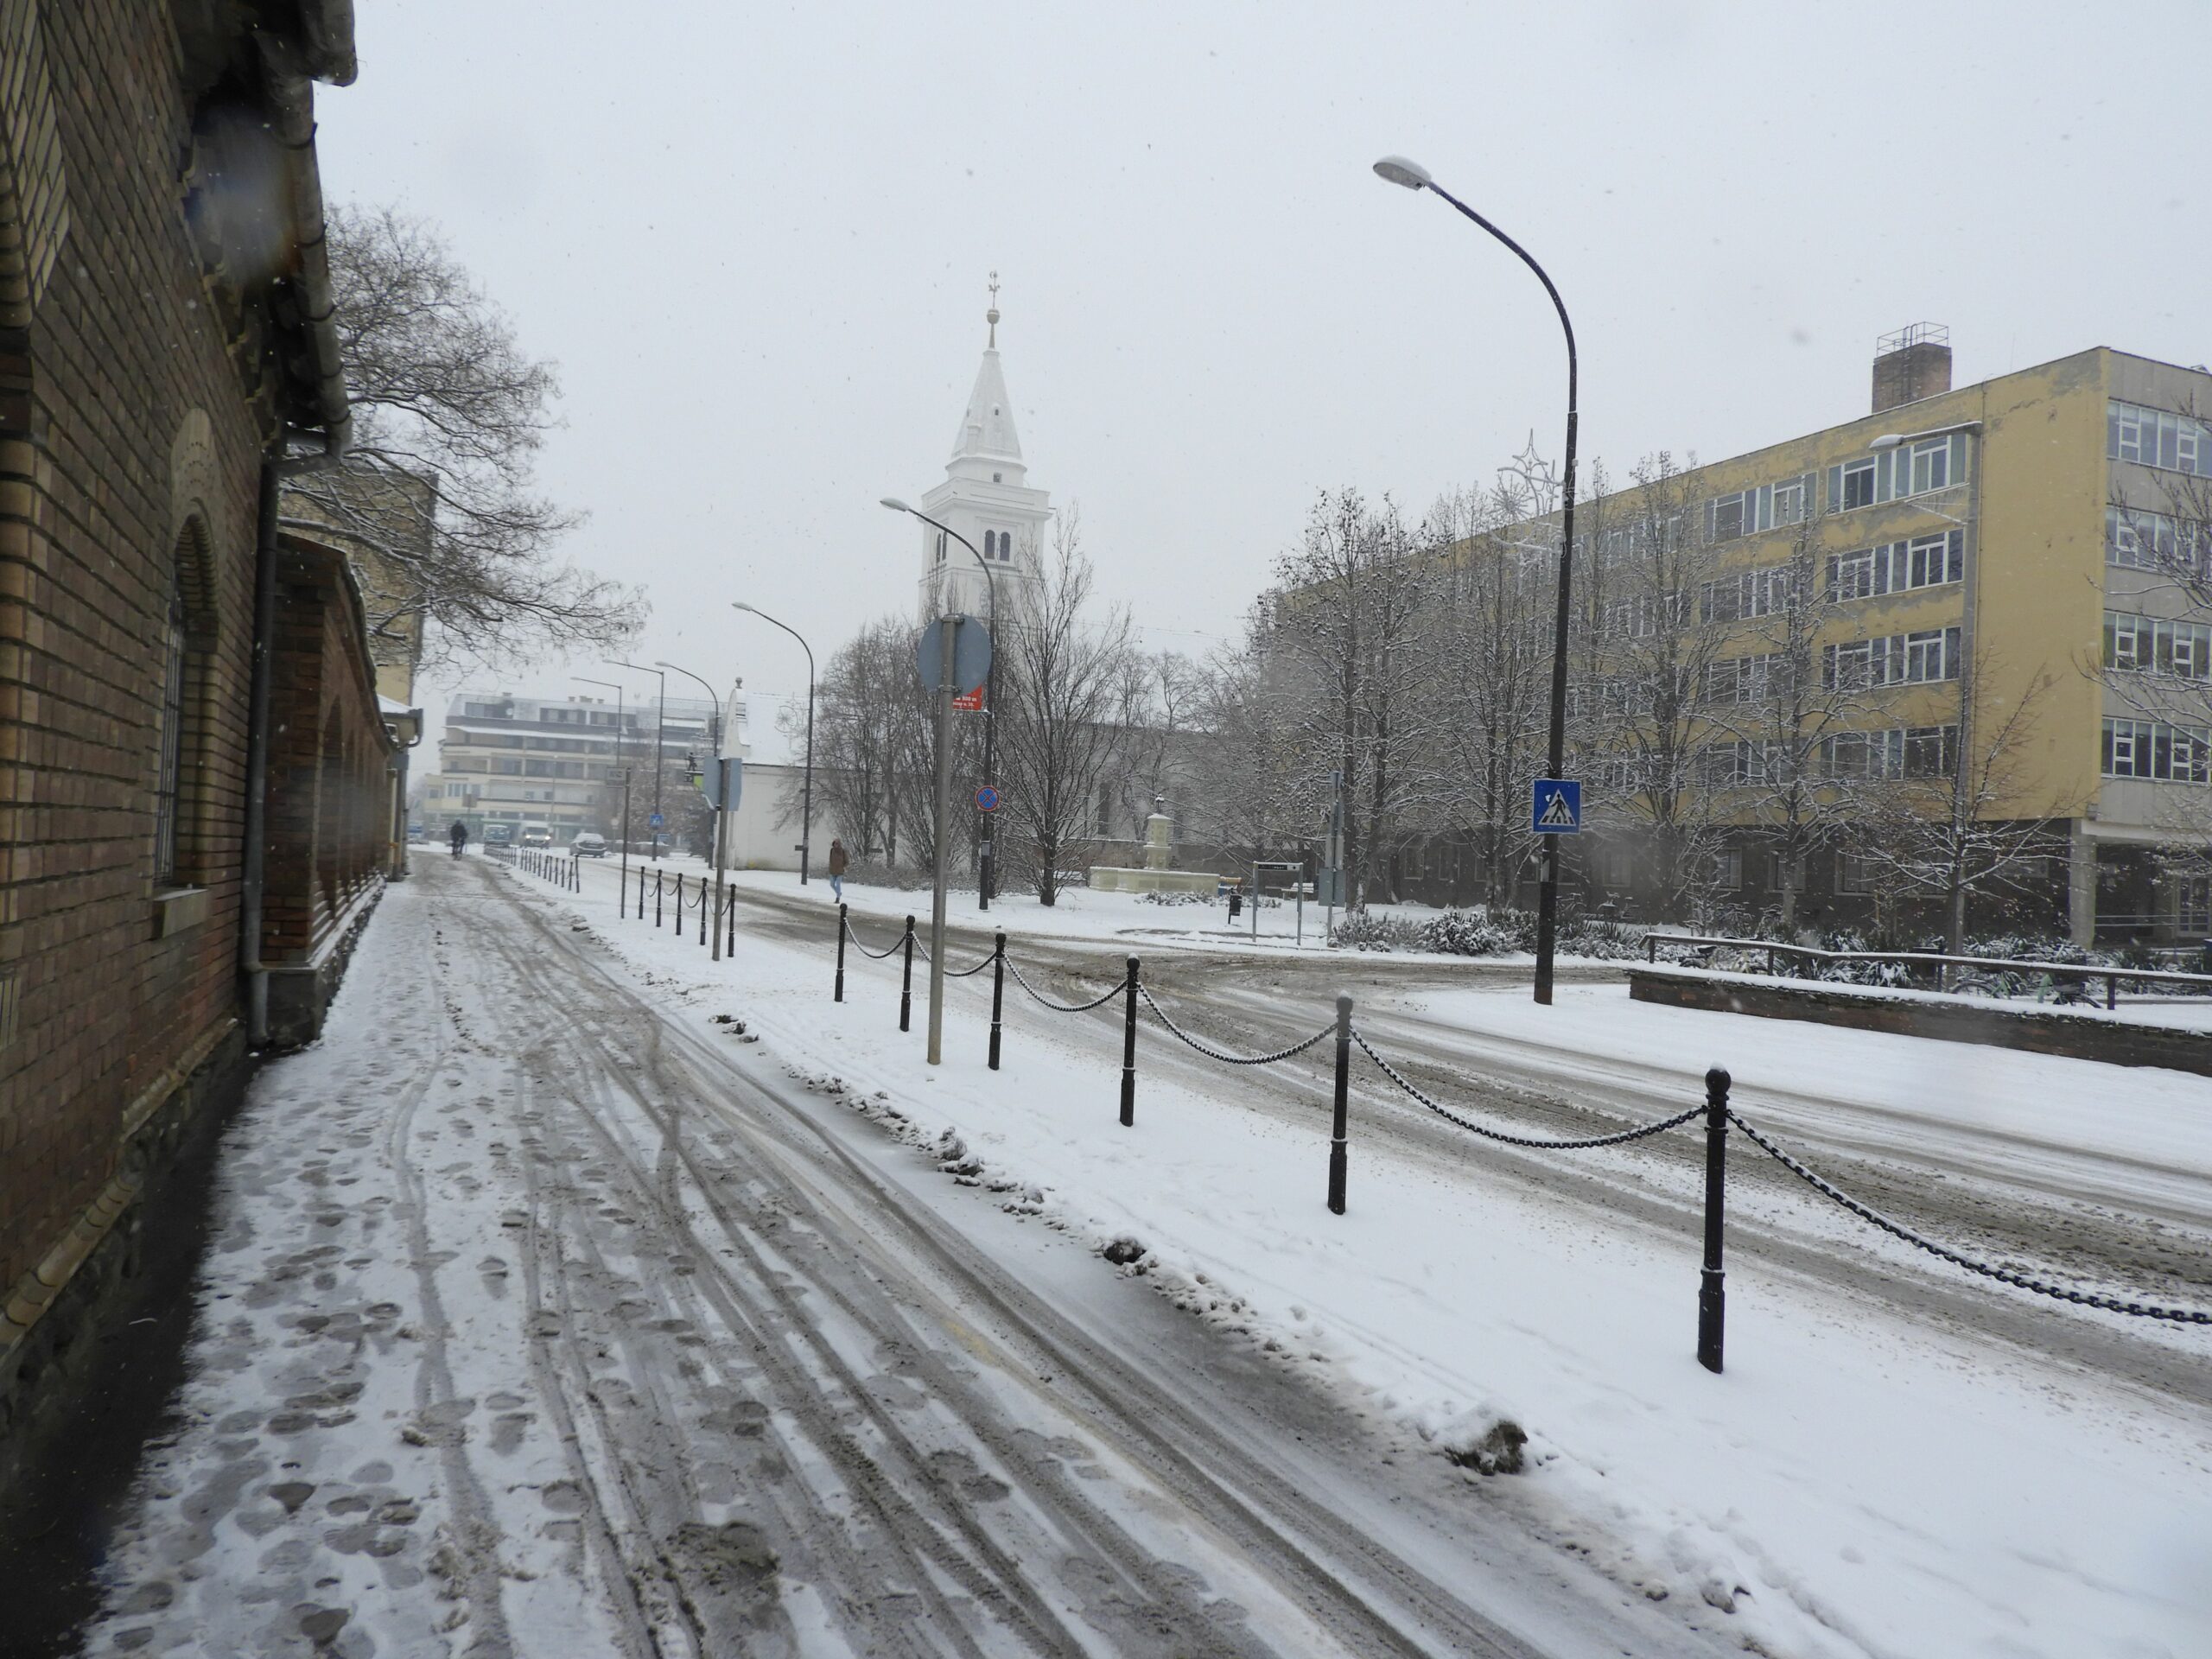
[1261,790]
[437,495]
[1936,825]
[1779,713]
[1658,629]
[1491,629]
[1064,691]
[1347,611]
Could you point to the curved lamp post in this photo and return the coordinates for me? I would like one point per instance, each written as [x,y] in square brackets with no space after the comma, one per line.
[984,878]
[1413,176]
[807,789]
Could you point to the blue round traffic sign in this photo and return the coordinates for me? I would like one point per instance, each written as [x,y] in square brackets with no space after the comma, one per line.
[987,799]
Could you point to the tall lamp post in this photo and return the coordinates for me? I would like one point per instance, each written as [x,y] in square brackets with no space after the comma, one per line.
[985,878]
[1413,176]
[583,680]
[722,794]
[806,788]
[660,746]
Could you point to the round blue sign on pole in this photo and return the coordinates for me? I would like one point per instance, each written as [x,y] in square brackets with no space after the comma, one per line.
[987,799]
[656,821]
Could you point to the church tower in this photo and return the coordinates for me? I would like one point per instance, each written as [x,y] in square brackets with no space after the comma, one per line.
[984,498]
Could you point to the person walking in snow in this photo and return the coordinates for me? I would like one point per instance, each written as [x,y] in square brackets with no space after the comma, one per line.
[458,835]
[838,862]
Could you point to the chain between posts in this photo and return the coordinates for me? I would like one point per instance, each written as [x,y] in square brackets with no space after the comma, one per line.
[1944,1253]
[1111,992]
[1211,1053]
[1451,1117]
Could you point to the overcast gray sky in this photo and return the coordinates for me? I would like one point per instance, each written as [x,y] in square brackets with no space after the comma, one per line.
[756,241]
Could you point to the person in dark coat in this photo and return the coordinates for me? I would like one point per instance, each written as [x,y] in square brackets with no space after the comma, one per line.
[458,835]
[838,862]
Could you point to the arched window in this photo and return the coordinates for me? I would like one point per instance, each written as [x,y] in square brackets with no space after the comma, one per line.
[940,547]
[184,645]
[170,777]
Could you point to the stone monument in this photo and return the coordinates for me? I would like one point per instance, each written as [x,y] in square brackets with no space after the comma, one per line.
[1156,876]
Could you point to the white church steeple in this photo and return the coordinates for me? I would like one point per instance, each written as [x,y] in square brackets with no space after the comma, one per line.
[986,498]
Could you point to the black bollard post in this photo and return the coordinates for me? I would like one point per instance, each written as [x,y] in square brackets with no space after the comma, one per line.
[838,995]
[1337,1133]
[907,985]
[703,908]
[1129,1050]
[730,910]
[998,995]
[1712,1297]
[658,890]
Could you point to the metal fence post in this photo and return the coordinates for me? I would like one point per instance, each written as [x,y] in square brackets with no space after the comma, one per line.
[907,984]
[1337,1133]
[702,909]
[998,994]
[729,909]
[660,886]
[1129,1050]
[1712,1296]
[838,995]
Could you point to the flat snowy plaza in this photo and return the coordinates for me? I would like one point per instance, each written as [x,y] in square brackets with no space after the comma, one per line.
[581,1294]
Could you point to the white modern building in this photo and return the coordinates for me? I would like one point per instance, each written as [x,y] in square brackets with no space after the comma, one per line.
[986,498]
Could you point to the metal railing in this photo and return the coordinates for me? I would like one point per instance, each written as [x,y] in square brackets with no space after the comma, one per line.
[2061,974]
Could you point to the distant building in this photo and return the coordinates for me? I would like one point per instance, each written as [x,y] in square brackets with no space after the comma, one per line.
[2028,523]
[513,761]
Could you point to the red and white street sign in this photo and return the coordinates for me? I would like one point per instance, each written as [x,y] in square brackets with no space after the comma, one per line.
[968,702]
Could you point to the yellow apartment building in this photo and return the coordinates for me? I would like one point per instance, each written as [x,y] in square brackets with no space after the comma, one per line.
[2033,540]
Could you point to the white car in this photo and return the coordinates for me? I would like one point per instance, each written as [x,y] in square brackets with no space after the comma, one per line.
[588,844]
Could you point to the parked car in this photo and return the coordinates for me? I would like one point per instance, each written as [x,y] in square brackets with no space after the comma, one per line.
[588,844]
[537,834]
[498,835]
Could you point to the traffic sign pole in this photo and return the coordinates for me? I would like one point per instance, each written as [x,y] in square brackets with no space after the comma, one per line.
[948,630]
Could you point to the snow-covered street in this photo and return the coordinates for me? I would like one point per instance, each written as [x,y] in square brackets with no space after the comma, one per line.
[579,1295]
[544,1320]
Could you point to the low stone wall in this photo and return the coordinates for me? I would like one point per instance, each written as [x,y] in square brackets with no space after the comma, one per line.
[2036,1028]
[1109,879]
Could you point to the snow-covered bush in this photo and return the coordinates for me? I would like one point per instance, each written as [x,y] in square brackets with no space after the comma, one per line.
[1467,933]
[1363,929]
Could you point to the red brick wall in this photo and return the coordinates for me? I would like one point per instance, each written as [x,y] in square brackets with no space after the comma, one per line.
[329,788]
[98,443]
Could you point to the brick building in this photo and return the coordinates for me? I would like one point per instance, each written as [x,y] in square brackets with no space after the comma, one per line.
[165,350]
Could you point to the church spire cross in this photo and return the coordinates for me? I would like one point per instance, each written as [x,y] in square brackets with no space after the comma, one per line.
[991,317]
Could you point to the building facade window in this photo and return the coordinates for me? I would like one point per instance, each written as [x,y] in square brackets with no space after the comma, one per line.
[2157,645]
[1920,752]
[2155,750]
[2141,540]
[2155,437]
[1893,474]
[1898,567]
[1929,654]
[1855,874]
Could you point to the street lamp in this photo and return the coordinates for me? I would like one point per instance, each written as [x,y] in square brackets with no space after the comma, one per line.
[722,794]
[584,680]
[1890,439]
[985,877]
[660,745]
[806,789]
[1413,176]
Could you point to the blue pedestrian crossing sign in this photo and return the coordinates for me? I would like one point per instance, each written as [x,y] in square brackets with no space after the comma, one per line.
[1555,806]
[656,821]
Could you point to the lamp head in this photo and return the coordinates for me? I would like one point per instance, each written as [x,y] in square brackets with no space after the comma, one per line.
[1887,441]
[1399,170]
[739,605]
[896,504]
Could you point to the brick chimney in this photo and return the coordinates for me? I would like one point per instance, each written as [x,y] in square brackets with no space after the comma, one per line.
[1911,364]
